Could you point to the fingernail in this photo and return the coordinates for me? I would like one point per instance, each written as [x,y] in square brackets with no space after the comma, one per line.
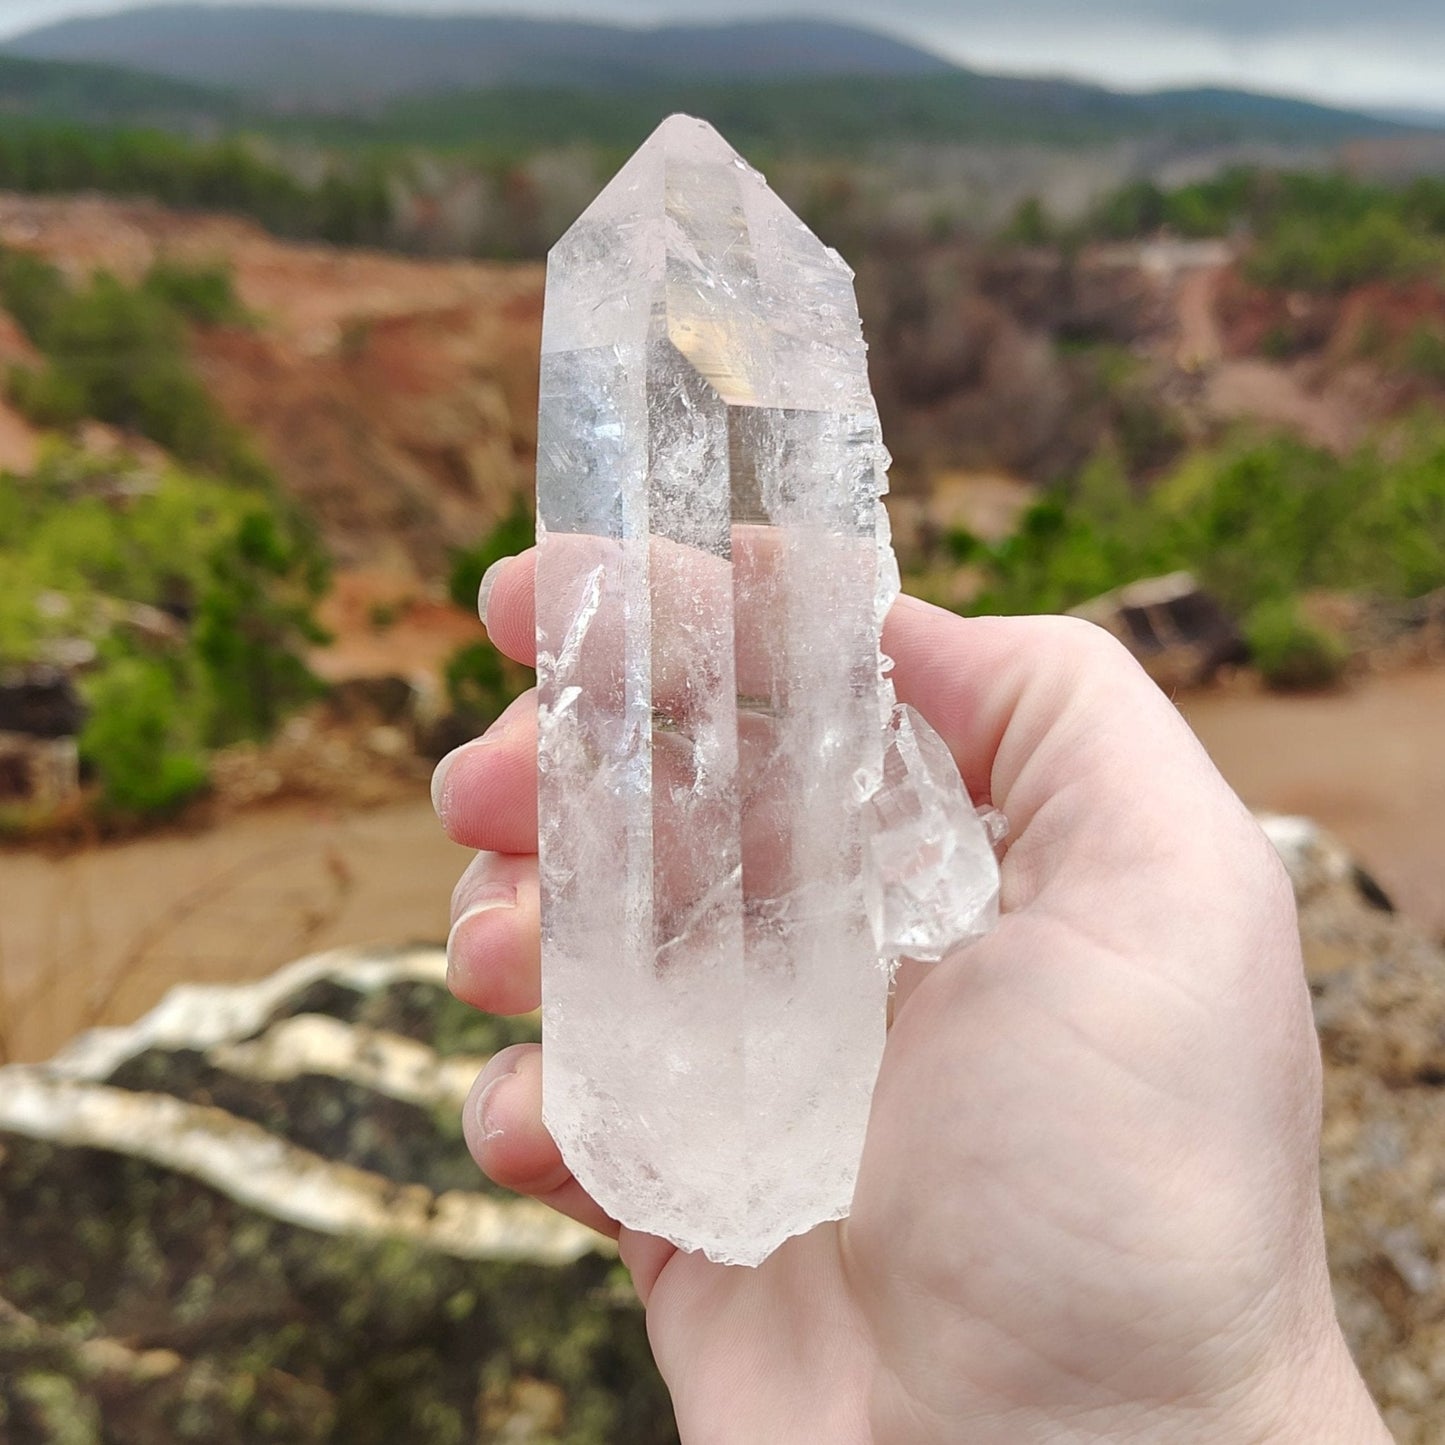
[485,900]
[489,580]
[489,1129]
[439,784]
[440,796]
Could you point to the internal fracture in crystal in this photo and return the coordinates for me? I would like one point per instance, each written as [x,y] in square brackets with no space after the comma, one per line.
[740,830]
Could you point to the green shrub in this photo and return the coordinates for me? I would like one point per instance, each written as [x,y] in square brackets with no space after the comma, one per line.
[1257,521]
[1425,352]
[205,295]
[1030,224]
[516,531]
[118,353]
[1282,341]
[1311,232]
[217,544]
[252,623]
[231,558]
[481,682]
[1422,204]
[964,546]
[123,351]
[1136,209]
[1290,651]
[1394,542]
[46,396]
[30,290]
[1056,559]
[1309,256]
[1076,543]
[141,739]
[1146,430]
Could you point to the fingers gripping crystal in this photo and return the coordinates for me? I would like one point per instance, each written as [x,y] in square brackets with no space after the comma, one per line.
[739,830]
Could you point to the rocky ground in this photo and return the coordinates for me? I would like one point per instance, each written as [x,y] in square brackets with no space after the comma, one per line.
[1379,989]
[250,1217]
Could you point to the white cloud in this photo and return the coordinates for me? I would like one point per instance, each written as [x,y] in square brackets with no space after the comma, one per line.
[1368,68]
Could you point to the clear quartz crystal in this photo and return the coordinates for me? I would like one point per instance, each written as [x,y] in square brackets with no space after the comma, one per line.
[740,830]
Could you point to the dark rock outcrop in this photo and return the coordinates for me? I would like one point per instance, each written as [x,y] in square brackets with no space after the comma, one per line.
[1180,633]
[251,1217]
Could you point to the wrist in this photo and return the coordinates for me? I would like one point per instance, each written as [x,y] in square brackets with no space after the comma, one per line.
[1320,1401]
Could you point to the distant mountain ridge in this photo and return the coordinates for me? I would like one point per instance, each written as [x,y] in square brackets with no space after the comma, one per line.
[341,56]
[1411,116]
[839,116]
[513,84]
[93,93]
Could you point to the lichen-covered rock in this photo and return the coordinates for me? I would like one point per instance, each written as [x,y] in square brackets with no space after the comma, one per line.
[251,1217]
[69,1387]
[1379,991]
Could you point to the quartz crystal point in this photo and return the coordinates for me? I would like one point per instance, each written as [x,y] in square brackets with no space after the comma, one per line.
[740,832]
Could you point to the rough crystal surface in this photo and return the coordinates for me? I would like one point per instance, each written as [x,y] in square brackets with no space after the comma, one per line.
[740,833]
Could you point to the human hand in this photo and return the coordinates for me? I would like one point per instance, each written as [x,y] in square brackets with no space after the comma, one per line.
[1088,1205]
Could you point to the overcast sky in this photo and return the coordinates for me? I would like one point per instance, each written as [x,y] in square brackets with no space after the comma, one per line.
[1377,52]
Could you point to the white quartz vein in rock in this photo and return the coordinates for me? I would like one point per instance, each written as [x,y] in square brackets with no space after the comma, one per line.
[261,1171]
[740,831]
[202,1016]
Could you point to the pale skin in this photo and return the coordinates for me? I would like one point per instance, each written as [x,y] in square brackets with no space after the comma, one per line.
[1088,1206]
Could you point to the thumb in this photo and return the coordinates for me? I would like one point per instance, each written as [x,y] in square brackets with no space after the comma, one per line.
[1053,721]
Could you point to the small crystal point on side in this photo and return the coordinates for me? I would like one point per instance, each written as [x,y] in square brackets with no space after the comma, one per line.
[934,871]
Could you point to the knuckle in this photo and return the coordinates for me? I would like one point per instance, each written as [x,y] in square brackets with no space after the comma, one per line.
[1085,648]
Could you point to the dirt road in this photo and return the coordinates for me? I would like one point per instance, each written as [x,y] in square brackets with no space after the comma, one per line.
[99,936]
[1367,762]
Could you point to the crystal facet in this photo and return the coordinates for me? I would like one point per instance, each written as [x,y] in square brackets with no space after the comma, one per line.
[740,831]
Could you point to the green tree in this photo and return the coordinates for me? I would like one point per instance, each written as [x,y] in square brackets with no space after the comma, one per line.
[253,622]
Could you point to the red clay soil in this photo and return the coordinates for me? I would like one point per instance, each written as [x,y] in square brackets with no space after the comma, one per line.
[383,624]
[395,397]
